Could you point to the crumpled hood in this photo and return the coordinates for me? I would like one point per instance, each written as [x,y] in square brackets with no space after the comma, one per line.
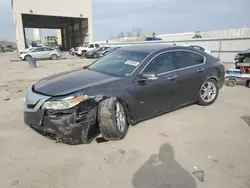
[70,82]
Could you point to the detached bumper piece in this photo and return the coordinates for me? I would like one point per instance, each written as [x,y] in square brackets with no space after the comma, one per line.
[73,126]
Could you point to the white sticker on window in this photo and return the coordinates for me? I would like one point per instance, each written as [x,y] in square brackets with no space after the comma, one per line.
[133,63]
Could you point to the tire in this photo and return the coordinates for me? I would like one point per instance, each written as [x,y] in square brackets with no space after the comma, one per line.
[53,57]
[212,94]
[107,119]
[248,83]
[27,57]
[231,83]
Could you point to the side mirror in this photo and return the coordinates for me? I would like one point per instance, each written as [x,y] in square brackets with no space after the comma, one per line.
[148,76]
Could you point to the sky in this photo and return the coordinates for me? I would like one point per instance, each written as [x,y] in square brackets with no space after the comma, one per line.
[110,17]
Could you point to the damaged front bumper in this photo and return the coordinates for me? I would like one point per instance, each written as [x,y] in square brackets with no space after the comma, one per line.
[73,126]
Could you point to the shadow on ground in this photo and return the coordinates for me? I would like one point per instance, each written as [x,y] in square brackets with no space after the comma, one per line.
[162,171]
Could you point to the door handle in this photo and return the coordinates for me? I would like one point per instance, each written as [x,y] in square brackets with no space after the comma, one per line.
[200,70]
[172,78]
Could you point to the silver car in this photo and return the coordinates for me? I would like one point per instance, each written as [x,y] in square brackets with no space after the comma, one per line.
[41,53]
[234,76]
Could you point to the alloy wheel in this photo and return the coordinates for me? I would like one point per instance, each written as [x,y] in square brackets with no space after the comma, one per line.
[120,117]
[208,92]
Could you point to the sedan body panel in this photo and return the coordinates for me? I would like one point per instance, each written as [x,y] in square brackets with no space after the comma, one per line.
[154,96]
[71,82]
[175,84]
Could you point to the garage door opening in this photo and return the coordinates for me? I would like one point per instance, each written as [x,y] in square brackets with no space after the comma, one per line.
[74,31]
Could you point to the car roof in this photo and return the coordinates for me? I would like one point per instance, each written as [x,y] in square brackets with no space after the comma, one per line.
[149,48]
[146,48]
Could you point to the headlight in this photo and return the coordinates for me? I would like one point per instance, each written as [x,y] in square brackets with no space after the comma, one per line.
[65,103]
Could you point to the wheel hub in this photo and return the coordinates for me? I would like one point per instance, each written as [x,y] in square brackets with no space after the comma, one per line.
[120,117]
[208,91]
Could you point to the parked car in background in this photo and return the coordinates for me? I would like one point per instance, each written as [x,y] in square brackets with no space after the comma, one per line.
[235,76]
[40,53]
[86,48]
[243,59]
[106,52]
[93,53]
[199,48]
[128,86]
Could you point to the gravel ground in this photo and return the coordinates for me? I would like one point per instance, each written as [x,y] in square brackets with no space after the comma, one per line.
[174,150]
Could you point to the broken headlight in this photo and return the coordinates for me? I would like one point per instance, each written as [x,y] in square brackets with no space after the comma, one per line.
[65,103]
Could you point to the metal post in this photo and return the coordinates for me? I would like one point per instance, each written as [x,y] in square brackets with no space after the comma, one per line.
[220,44]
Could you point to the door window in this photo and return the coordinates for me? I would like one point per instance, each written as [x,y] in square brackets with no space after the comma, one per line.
[38,50]
[91,46]
[185,59]
[48,49]
[97,45]
[160,64]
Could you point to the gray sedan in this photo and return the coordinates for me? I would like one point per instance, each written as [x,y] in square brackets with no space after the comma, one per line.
[41,53]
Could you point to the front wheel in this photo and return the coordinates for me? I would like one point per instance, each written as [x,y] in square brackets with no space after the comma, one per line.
[27,57]
[53,57]
[112,119]
[231,83]
[208,92]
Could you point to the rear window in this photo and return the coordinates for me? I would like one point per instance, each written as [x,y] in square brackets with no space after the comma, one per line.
[187,59]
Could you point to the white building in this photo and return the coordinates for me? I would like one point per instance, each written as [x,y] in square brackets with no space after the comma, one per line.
[74,18]
[226,33]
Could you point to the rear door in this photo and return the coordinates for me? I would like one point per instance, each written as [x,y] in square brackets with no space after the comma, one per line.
[154,96]
[192,73]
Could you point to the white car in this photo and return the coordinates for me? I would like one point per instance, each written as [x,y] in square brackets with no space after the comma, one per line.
[40,53]
[86,48]
[199,48]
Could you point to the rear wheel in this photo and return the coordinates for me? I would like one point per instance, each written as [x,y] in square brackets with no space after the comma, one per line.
[231,83]
[208,93]
[53,57]
[27,57]
[112,119]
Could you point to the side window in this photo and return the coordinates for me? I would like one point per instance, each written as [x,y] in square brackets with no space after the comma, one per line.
[38,50]
[91,46]
[97,45]
[160,64]
[185,59]
[48,49]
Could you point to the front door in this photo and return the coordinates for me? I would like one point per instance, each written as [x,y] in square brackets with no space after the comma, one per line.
[37,53]
[154,96]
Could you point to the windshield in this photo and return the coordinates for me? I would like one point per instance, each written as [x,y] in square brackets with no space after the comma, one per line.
[119,63]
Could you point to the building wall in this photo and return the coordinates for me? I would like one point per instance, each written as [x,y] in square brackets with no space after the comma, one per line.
[226,33]
[225,49]
[73,8]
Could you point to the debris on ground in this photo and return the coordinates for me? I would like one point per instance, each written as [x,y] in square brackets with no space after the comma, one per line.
[14,183]
[199,175]
[246,119]
[121,151]
[195,167]
[6,99]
